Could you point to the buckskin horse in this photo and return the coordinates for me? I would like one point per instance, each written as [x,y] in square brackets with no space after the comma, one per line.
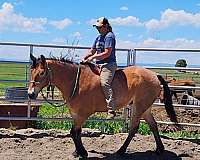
[81,89]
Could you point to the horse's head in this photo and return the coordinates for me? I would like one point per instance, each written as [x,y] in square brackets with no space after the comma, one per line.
[40,76]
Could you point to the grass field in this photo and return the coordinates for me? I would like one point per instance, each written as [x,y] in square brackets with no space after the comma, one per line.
[12,72]
[108,127]
[179,75]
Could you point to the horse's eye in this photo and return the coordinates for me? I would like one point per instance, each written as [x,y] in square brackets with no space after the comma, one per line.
[42,73]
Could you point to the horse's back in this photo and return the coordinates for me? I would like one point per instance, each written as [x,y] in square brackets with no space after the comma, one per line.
[136,75]
[135,82]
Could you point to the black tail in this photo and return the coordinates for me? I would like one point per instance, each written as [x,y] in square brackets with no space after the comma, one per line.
[168,100]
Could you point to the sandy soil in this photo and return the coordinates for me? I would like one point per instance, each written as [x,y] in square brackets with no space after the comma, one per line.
[31,144]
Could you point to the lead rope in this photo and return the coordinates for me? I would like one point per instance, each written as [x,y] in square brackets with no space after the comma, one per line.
[76,82]
[73,92]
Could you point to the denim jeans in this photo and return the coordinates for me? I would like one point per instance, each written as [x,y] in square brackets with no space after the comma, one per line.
[106,77]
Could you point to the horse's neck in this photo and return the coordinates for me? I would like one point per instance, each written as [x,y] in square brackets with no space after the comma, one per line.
[63,76]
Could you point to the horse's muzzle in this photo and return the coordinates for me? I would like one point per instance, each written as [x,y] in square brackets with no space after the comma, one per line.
[32,95]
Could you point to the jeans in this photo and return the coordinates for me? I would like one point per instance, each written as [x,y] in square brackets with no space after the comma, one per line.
[106,77]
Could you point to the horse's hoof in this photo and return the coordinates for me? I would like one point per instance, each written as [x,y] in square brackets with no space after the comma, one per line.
[159,151]
[121,151]
[83,154]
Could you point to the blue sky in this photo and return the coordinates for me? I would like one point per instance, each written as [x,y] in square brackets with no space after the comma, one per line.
[138,23]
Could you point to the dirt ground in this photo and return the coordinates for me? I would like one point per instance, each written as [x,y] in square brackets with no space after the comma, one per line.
[32,144]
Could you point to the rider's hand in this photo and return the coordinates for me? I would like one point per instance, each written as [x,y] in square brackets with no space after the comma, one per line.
[83,61]
[89,59]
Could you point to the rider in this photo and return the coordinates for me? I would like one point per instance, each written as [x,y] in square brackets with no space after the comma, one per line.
[103,51]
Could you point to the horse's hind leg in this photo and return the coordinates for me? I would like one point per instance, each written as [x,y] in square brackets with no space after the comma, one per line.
[153,126]
[133,129]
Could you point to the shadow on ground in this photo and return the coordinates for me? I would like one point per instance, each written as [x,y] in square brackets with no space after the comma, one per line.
[148,155]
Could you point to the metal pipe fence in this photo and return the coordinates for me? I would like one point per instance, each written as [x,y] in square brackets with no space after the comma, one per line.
[131,60]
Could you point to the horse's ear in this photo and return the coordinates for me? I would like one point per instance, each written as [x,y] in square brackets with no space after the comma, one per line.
[43,60]
[42,57]
[33,59]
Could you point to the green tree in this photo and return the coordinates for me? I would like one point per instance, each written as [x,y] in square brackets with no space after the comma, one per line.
[181,63]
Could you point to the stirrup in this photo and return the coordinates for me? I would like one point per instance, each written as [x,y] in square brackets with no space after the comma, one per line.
[111,114]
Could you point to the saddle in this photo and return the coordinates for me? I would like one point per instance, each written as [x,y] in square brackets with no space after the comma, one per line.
[95,68]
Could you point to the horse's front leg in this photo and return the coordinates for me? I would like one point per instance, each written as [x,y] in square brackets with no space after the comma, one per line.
[76,136]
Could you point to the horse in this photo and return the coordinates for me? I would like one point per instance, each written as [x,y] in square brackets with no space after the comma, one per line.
[174,91]
[81,90]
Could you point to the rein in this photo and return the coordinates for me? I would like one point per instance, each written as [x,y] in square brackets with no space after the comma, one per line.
[72,93]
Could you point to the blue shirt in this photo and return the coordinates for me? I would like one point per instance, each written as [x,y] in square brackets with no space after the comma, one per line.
[102,42]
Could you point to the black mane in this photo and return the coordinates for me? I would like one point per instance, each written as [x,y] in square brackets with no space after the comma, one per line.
[65,60]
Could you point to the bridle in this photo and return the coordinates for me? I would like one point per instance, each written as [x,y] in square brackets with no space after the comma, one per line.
[48,72]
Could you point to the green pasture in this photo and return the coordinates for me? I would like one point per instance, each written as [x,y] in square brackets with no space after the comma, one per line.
[108,127]
[12,72]
[179,75]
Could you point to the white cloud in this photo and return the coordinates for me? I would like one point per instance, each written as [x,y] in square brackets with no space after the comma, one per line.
[119,21]
[129,35]
[171,17]
[161,56]
[18,2]
[127,21]
[9,20]
[7,7]
[77,35]
[124,8]
[61,24]
[180,43]
[59,40]
[125,44]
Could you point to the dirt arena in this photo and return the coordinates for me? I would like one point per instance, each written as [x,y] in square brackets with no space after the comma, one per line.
[31,144]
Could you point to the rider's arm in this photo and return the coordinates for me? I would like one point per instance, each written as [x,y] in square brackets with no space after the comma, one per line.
[109,41]
[90,53]
[103,55]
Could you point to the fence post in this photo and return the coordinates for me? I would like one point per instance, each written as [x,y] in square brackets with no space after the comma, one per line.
[29,100]
[131,61]
[131,57]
